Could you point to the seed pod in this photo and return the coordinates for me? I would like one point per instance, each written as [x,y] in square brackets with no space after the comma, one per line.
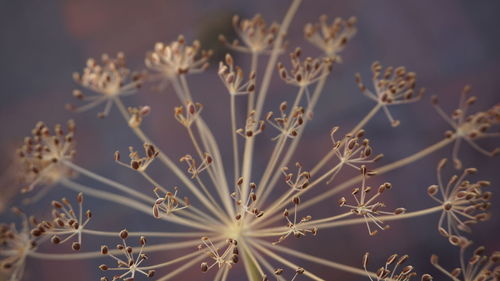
[204,267]
[123,234]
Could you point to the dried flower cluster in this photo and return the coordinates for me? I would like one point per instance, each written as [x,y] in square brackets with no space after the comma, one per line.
[245,221]
[65,224]
[42,154]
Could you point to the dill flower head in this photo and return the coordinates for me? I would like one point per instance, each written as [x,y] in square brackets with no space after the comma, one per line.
[245,220]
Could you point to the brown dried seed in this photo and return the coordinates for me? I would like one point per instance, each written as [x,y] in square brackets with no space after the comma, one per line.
[123,234]
[434,259]
[432,190]
[426,277]
[55,239]
[456,272]
[104,249]
[79,198]
[56,204]
[399,211]
[204,267]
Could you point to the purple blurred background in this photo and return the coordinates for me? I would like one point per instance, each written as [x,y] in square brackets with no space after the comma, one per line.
[447,43]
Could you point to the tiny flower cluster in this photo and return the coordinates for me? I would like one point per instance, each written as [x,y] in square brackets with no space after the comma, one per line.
[297,228]
[228,257]
[353,152]
[369,208]
[385,273]
[178,58]
[302,178]
[232,77]
[43,153]
[395,86]
[464,203]
[109,80]
[168,203]
[331,38]
[479,267]
[247,207]
[137,162]
[307,72]
[65,222]
[131,264]
[287,125]
[470,128]
[15,245]
[256,35]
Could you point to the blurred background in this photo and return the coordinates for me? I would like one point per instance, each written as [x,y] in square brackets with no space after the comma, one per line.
[447,43]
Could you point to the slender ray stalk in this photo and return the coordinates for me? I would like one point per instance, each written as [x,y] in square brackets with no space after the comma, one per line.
[129,203]
[314,259]
[147,234]
[266,264]
[182,268]
[384,169]
[273,58]
[275,231]
[268,74]
[335,221]
[278,258]
[209,144]
[284,199]
[168,162]
[234,136]
[252,267]
[107,181]
[226,274]
[278,149]
[208,140]
[170,262]
[253,260]
[98,254]
[323,225]
[295,142]
[209,170]
[253,69]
